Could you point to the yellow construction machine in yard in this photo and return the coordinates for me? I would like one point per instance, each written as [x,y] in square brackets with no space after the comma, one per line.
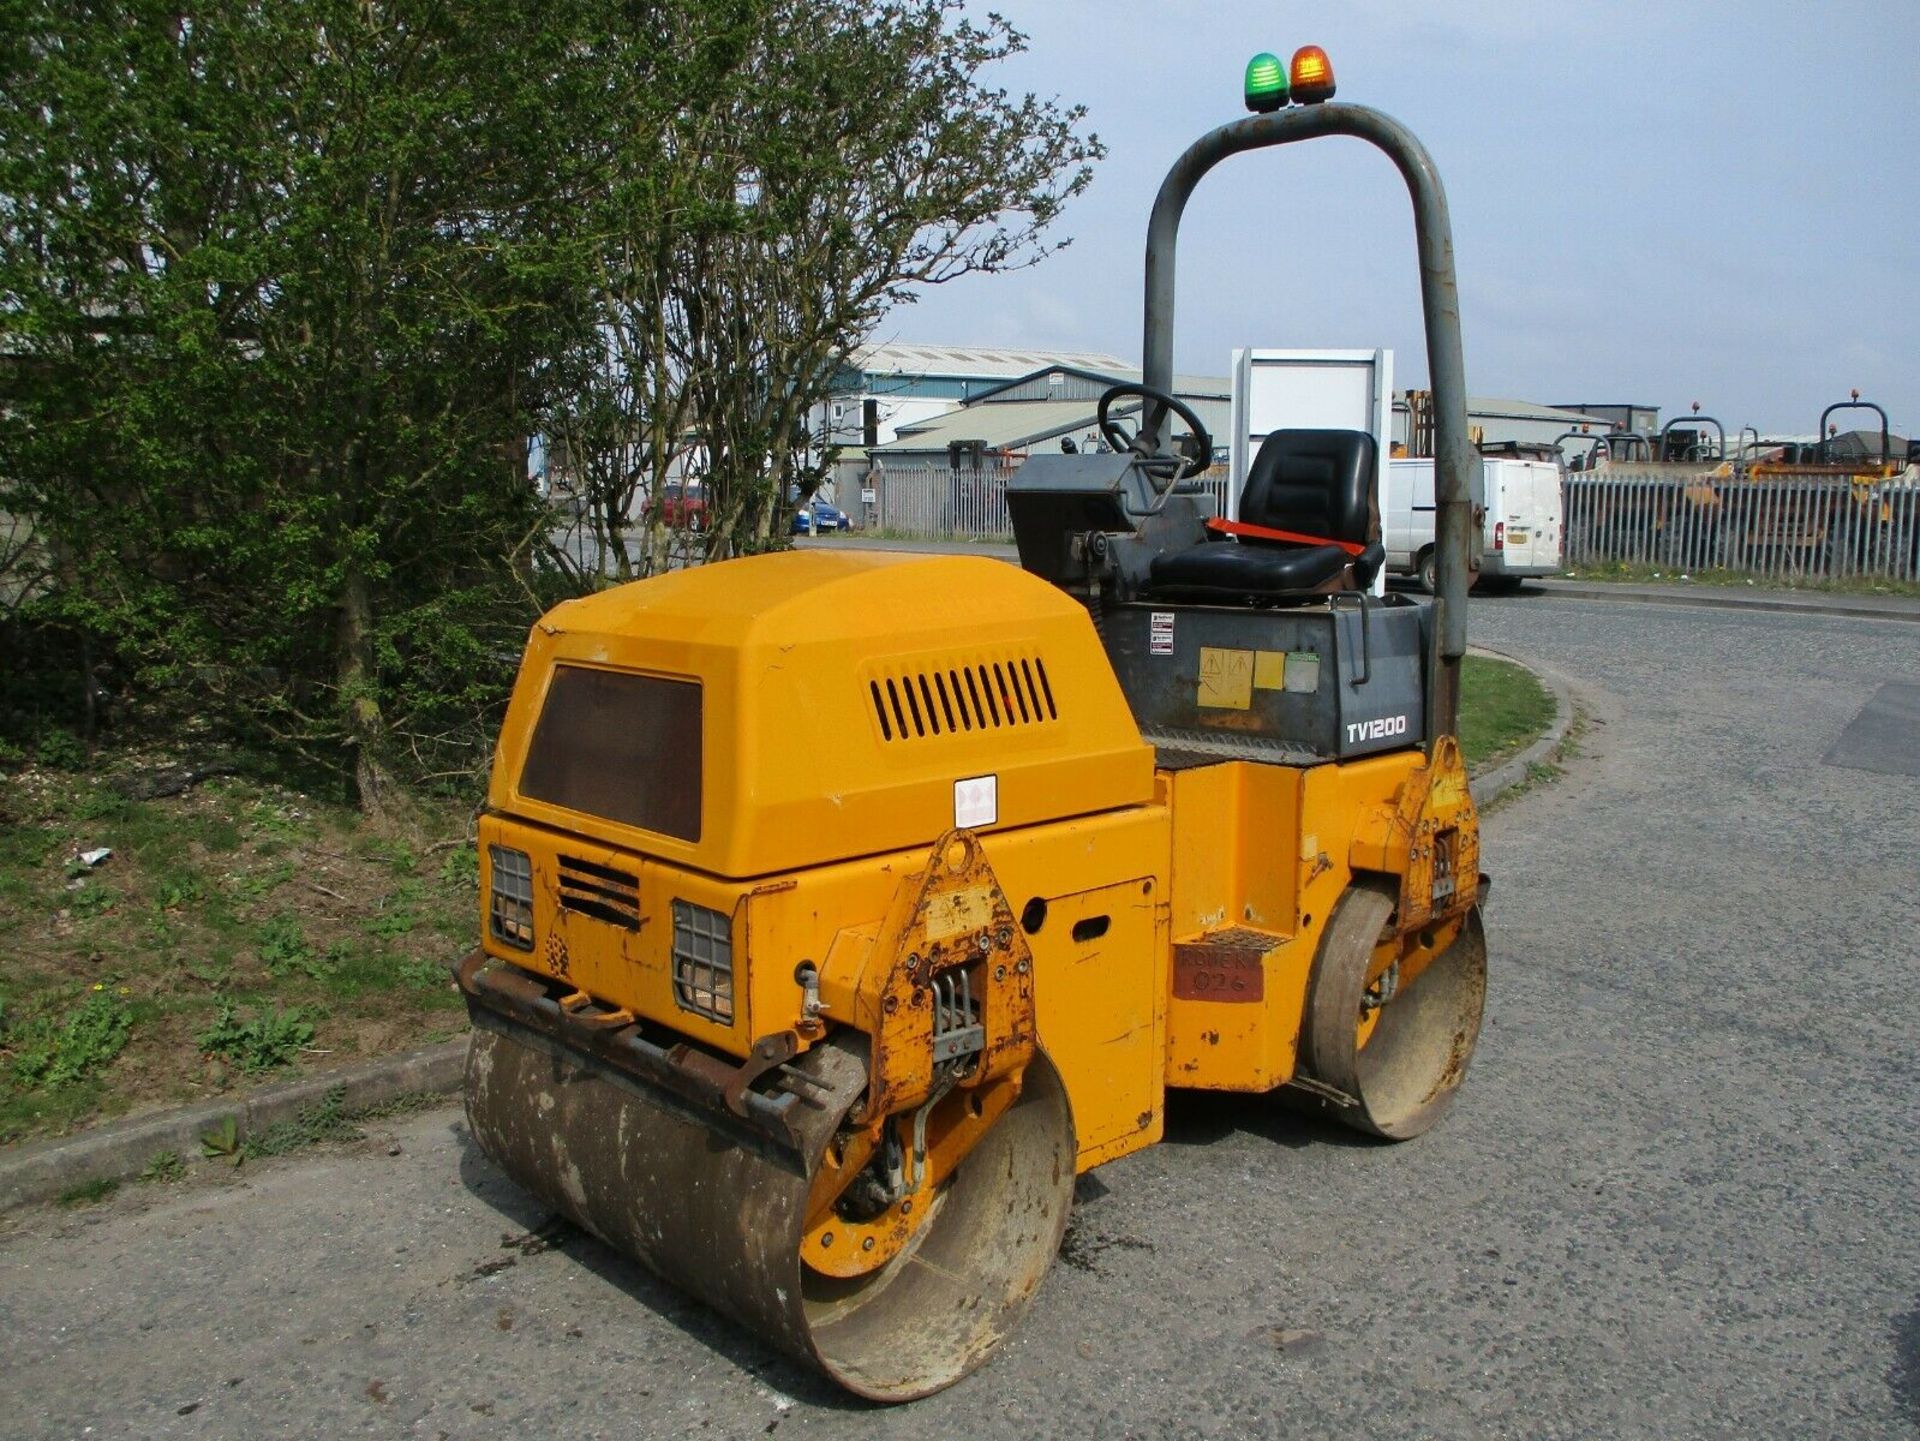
[839,909]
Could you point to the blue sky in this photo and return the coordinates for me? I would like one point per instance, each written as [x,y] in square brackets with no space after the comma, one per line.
[1652,202]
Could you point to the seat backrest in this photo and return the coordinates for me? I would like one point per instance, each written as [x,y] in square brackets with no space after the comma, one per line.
[1317,482]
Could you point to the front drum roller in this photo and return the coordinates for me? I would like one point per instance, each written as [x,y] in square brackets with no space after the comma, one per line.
[726,1221]
[1378,1057]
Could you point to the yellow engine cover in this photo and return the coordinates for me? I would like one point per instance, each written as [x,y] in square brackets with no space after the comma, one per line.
[809,707]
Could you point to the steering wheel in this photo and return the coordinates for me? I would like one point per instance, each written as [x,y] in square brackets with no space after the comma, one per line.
[1199,447]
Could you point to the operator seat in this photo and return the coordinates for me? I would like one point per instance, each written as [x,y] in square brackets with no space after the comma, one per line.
[1321,484]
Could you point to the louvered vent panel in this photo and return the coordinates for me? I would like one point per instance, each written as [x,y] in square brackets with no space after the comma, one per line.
[961,697]
[603,892]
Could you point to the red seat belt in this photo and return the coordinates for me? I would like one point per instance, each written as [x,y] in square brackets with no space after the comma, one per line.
[1267,532]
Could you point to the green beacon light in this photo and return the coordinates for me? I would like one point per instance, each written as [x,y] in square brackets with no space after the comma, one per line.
[1266,84]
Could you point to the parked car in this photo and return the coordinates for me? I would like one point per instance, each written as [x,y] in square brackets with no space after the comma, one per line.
[816,517]
[683,506]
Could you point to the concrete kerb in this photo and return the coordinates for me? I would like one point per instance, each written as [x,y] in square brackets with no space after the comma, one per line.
[120,1151]
[1894,608]
[1517,770]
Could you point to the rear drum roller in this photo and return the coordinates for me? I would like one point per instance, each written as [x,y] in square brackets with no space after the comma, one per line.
[726,1223]
[1383,1060]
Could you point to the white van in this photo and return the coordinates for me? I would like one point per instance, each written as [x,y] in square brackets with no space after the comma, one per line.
[1524,533]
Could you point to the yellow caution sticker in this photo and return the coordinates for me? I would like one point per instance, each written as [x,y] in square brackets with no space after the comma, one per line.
[1269,670]
[1226,678]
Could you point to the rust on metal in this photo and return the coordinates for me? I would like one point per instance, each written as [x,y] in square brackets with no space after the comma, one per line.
[1225,966]
[952,914]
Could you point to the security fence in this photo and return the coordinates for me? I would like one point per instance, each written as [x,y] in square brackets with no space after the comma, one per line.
[941,502]
[1773,523]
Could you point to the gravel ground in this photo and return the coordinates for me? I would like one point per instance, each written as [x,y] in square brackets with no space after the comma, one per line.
[1678,1197]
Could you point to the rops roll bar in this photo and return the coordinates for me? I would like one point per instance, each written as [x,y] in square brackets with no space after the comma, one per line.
[1457,535]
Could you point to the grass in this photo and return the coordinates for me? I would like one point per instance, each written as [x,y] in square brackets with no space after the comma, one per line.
[1642,574]
[88,1193]
[1503,708]
[237,931]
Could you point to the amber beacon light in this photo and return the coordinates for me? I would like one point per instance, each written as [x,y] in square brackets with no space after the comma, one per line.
[1312,80]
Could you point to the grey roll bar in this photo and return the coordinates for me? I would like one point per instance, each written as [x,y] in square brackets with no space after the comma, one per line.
[1886,443]
[1456,534]
[1660,451]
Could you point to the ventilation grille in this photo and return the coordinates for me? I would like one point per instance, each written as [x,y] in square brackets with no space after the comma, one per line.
[703,961]
[958,699]
[600,891]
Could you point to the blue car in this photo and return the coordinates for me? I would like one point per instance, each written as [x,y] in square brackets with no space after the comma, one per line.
[816,517]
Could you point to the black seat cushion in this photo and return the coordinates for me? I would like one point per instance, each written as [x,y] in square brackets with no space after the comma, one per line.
[1233,572]
[1313,482]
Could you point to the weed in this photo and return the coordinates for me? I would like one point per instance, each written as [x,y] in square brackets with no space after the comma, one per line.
[264,1041]
[62,751]
[98,804]
[357,968]
[281,821]
[261,884]
[50,1054]
[222,1143]
[329,1120]
[172,893]
[88,1193]
[397,855]
[398,915]
[166,1166]
[218,834]
[90,901]
[403,1105]
[427,975]
[283,947]
[214,971]
[461,868]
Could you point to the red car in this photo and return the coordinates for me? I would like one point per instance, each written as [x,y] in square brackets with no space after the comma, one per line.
[683,506]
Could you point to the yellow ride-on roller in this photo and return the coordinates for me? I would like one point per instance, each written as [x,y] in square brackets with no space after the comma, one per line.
[841,908]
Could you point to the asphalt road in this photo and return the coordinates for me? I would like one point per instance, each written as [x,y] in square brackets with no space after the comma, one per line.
[1678,1198]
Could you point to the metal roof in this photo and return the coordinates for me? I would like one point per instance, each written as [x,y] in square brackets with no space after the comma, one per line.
[1184,386]
[1484,405]
[1014,424]
[899,357]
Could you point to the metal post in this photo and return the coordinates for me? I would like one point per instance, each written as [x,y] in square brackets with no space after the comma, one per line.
[1457,533]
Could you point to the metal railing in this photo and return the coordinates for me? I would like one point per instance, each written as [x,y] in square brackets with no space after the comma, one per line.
[940,501]
[1779,526]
